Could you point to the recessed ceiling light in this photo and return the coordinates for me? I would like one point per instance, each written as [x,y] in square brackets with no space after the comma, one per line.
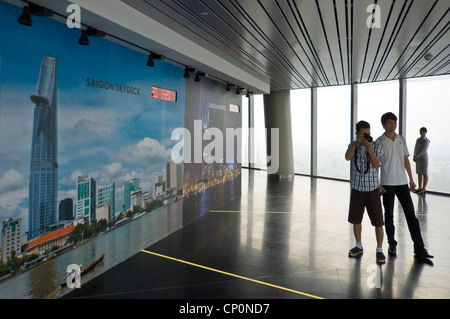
[204,13]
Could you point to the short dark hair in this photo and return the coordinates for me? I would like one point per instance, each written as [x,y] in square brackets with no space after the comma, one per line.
[362,124]
[423,129]
[388,116]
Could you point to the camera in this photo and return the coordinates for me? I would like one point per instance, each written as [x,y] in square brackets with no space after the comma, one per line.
[368,137]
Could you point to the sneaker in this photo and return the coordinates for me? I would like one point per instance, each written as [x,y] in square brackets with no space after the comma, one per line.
[423,254]
[381,259]
[355,252]
[392,250]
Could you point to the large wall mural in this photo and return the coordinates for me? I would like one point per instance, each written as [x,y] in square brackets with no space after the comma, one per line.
[212,163]
[87,170]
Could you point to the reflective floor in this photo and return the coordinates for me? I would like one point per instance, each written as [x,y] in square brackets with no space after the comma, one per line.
[284,240]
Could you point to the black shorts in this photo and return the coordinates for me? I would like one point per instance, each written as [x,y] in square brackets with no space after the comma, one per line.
[365,200]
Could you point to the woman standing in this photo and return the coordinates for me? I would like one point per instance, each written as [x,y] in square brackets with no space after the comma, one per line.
[421,160]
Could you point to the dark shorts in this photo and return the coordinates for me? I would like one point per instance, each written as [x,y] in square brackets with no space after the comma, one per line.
[359,201]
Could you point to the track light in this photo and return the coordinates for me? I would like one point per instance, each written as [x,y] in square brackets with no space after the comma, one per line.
[228,87]
[238,90]
[33,9]
[90,32]
[198,75]
[150,61]
[186,73]
[152,57]
[84,40]
[25,18]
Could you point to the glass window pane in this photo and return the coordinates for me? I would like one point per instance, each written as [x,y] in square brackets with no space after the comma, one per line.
[333,122]
[245,125]
[428,106]
[260,155]
[375,99]
[301,130]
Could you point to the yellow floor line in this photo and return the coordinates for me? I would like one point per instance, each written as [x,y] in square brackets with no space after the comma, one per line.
[230,274]
[246,212]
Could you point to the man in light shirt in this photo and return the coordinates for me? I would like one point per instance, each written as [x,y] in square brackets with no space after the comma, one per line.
[395,171]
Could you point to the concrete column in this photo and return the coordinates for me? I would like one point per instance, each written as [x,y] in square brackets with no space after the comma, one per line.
[280,155]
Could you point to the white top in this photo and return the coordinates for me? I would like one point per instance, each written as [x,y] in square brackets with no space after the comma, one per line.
[393,170]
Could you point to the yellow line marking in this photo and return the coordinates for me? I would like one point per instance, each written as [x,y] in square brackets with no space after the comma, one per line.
[230,274]
[246,212]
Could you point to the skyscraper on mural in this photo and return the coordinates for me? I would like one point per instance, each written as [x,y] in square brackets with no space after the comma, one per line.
[43,190]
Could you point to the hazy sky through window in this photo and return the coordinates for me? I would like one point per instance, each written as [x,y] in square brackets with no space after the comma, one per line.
[428,104]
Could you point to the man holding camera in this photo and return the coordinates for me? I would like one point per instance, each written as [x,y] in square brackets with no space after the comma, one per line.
[394,182]
[366,157]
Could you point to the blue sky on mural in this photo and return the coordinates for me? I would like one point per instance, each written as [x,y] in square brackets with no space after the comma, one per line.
[110,135]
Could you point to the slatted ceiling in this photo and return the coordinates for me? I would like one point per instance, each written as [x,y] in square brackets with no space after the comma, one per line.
[341,29]
[296,35]
[412,33]
[262,34]
[277,36]
[443,67]
[306,53]
[406,37]
[313,43]
[307,57]
[431,38]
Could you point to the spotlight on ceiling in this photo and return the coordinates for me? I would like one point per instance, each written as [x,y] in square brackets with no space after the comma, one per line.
[152,57]
[25,18]
[90,32]
[186,73]
[198,75]
[84,40]
[238,90]
[150,61]
[33,9]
